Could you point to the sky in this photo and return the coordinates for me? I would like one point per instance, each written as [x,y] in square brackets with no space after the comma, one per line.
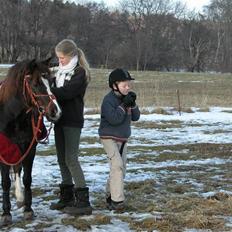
[191,4]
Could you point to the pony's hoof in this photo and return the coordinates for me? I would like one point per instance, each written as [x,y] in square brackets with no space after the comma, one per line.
[6,220]
[29,215]
[19,204]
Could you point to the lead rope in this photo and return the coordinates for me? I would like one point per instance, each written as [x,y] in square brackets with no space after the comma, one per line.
[37,129]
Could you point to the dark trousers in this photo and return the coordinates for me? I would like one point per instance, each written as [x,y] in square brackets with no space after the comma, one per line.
[67,141]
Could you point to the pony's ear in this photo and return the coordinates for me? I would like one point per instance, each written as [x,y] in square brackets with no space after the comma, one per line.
[47,61]
[51,62]
[31,66]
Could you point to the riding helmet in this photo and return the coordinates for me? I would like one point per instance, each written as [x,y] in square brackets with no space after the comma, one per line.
[119,74]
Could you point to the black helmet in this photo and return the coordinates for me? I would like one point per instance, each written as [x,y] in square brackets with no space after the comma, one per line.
[119,74]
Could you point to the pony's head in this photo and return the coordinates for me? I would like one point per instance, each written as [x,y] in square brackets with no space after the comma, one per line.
[37,92]
[29,80]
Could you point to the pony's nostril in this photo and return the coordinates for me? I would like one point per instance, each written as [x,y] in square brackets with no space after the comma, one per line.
[54,114]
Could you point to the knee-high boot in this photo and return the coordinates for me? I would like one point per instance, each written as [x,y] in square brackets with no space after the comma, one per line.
[82,205]
[66,197]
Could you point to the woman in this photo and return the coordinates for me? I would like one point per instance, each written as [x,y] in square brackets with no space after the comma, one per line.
[71,79]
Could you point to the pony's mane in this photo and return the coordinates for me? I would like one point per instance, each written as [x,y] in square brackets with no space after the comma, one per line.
[13,83]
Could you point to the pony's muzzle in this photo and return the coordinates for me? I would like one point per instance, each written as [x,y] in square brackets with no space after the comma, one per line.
[54,113]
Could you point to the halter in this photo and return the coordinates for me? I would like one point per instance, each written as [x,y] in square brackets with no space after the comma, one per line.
[27,90]
[36,127]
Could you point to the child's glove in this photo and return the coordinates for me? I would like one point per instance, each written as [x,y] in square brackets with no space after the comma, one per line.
[129,99]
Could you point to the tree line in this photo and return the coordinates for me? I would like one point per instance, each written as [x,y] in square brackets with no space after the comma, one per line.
[139,34]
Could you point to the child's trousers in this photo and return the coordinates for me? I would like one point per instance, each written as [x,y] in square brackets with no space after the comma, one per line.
[117,161]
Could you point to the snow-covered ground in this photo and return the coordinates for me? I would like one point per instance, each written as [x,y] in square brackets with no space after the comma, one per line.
[214,127]
[5,65]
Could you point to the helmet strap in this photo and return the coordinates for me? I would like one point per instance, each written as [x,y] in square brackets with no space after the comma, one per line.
[117,89]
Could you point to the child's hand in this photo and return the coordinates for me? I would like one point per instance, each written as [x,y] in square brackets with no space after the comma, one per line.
[133,95]
[129,99]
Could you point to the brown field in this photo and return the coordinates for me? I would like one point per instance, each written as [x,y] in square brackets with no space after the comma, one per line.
[159,89]
[174,200]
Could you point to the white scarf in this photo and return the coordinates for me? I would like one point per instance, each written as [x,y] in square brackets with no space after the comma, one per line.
[65,72]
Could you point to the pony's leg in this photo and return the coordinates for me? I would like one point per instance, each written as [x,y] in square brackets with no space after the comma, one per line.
[6,205]
[27,179]
[18,186]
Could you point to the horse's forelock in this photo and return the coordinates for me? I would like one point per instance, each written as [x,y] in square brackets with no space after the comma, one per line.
[37,69]
[13,82]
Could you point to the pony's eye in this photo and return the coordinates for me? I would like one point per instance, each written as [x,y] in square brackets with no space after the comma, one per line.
[45,75]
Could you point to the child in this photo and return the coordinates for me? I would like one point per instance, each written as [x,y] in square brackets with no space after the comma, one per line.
[71,81]
[117,111]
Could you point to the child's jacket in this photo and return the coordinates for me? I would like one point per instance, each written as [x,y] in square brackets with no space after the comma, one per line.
[115,119]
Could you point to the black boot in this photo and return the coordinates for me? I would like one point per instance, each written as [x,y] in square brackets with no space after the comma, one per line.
[66,197]
[82,205]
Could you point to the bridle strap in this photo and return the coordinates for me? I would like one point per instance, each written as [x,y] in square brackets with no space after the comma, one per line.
[28,91]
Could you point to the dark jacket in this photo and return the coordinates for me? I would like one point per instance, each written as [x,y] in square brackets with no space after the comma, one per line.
[115,119]
[71,99]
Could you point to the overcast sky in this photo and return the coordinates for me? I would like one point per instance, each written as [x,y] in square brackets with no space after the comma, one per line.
[191,4]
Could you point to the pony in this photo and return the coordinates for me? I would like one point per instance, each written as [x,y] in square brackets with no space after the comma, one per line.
[25,97]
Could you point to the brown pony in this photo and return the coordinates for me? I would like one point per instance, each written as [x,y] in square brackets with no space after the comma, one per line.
[25,97]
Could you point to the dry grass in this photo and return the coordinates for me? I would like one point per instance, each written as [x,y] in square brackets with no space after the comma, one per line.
[3,72]
[161,125]
[159,89]
[166,203]
[85,224]
[172,199]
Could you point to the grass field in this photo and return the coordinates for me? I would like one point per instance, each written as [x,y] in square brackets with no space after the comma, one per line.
[179,175]
[178,178]
[159,89]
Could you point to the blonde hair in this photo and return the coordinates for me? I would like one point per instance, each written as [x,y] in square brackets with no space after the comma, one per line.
[69,48]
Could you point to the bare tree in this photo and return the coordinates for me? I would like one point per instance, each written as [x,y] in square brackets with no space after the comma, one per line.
[12,29]
[220,12]
[141,35]
[196,42]
[147,24]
